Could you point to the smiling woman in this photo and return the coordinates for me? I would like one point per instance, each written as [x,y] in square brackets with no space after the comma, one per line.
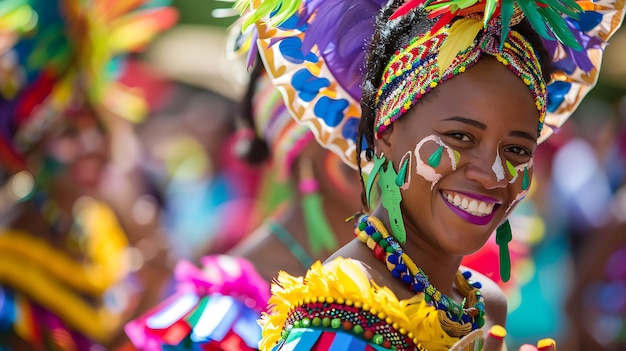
[452,98]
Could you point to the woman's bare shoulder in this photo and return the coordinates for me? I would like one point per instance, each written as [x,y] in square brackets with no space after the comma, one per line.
[495,299]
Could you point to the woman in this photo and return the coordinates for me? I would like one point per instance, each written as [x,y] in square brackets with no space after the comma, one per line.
[453,107]
[229,292]
[321,190]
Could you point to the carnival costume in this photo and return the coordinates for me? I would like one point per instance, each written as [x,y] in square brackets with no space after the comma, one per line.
[63,56]
[314,51]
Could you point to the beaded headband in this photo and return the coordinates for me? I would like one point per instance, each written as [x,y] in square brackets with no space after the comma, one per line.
[419,67]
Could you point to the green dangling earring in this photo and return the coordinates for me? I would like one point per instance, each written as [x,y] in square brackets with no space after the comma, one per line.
[378,163]
[390,194]
[503,237]
[391,198]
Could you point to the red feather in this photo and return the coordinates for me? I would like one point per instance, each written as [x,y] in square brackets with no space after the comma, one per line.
[404,9]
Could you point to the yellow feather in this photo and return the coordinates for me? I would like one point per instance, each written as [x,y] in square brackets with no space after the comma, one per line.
[460,36]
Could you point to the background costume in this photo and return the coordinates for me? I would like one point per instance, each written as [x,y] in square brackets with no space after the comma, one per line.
[63,58]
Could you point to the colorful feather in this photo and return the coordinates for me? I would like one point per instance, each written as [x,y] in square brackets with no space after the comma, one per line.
[340,30]
[461,35]
[490,8]
[275,11]
[506,12]
[406,8]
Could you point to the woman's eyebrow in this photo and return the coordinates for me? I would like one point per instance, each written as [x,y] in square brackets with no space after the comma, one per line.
[482,126]
[469,121]
[518,133]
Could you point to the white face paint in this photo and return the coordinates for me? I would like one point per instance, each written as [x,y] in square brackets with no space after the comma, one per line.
[523,193]
[426,171]
[518,198]
[497,167]
[520,168]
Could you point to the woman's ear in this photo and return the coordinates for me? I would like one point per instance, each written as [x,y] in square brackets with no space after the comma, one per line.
[383,144]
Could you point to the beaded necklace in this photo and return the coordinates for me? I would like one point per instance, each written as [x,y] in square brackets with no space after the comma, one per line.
[458,320]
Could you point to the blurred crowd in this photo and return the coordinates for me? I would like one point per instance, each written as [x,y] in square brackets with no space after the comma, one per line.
[135,201]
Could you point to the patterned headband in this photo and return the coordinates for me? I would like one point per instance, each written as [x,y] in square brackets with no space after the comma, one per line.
[426,62]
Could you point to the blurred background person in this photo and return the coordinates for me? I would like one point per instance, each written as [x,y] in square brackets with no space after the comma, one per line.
[231,292]
[68,268]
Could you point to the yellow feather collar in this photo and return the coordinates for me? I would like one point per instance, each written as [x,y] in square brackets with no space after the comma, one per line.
[344,281]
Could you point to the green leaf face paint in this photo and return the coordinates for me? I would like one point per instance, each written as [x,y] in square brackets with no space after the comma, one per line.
[435,159]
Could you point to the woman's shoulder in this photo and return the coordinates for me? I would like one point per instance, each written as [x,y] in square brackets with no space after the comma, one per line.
[495,298]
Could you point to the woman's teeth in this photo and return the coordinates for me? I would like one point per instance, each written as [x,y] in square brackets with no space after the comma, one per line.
[471,206]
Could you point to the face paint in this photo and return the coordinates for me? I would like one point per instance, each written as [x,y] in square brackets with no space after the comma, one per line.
[428,172]
[518,198]
[406,158]
[524,169]
[519,168]
[497,168]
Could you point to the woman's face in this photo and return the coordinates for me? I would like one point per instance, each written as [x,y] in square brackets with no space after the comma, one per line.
[470,144]
[81,146]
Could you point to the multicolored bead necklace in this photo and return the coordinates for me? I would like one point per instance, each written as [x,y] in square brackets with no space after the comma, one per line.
[457,319]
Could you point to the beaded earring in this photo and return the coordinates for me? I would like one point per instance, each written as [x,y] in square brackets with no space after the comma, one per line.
[319,232]
[503,237]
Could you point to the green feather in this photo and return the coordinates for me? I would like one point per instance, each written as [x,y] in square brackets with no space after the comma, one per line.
[566,7]
[490,8]
[534,17]
[506,12]
[559,28]
[281,10]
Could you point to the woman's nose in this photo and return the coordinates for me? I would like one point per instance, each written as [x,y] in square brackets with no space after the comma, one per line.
[488,170]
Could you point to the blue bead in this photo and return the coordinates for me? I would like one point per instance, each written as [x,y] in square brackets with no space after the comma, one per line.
[467,274]
[396,273]
[401,267]
[407,279]
[393,259]
[370,230]
[418,287]
[477,285]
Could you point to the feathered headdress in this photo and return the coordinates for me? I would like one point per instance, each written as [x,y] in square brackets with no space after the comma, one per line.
[314,50]
[69,50]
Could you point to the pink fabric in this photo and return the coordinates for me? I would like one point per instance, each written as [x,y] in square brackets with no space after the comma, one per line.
[220,274]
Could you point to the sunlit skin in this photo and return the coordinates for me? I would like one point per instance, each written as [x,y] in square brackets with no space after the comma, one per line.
[485,111]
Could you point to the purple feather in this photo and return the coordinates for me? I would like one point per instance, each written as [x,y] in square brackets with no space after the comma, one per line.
[341,30]
[573,58]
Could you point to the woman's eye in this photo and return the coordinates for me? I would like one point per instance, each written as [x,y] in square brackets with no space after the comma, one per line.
[518,150]
[460,136]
